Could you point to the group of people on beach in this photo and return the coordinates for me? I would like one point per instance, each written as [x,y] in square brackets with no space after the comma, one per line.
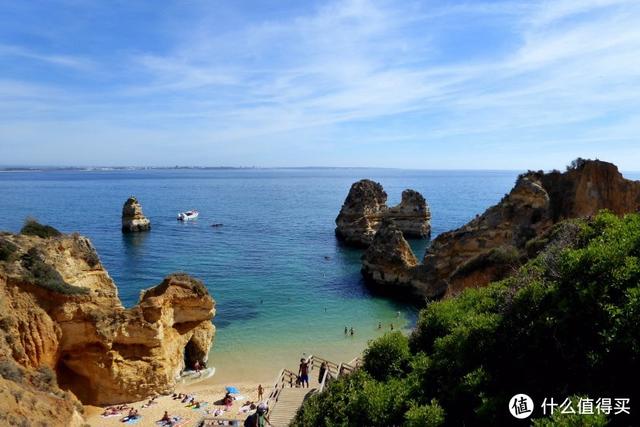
[114,411]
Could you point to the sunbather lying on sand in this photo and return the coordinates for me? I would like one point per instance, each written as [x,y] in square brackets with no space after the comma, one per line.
[133,414]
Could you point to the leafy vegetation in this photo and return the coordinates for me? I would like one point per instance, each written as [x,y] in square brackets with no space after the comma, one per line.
[34,228]
[7,249]
[564,325]
[45,276]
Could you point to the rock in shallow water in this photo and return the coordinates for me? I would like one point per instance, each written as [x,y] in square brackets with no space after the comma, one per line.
[132,217]
[493,244]
[366,206]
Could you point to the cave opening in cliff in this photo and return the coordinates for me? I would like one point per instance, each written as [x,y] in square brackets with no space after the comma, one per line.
[70,380]
[192,355]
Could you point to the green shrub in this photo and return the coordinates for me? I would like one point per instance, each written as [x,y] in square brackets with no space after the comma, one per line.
[431,415]
[387,356]
[34,228]
[7,249]
[9,370]
[45,379]
[558,419]
[42,274]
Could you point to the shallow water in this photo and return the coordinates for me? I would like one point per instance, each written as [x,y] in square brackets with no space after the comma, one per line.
[283,284]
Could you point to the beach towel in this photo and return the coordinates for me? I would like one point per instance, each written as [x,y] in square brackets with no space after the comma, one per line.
[135,420]
[239,397]
[116,414]
[233,390]
[182,423]
[202,406]
[173,423]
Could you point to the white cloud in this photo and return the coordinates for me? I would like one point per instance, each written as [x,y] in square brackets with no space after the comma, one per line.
[359,61]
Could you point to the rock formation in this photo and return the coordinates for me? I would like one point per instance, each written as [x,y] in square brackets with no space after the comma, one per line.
[389,260]
[132,217]
[366,206]
[493,244]
[61,319]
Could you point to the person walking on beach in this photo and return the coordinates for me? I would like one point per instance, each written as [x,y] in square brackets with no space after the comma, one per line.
[346,331]
[260,392]
[303,372]
[351,332]
[323,369]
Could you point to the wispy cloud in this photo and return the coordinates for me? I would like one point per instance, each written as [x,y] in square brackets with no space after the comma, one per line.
[69,61]
[562,71]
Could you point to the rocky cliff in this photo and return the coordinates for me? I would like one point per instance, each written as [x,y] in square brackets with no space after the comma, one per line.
[61,319]
[494,244]
[366,206]
[132,217]
[389,260]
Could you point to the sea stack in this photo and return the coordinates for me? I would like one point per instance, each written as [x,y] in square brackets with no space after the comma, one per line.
[494,244]
[366,206]
[133,219]
[389,263]
[63,327]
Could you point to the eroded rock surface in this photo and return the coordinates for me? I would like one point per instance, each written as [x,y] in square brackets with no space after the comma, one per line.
[132,217]
[366,206]
[494,244]
[60,313]
[389,260]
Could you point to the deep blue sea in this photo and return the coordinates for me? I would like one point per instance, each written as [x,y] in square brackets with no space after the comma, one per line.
[283,284]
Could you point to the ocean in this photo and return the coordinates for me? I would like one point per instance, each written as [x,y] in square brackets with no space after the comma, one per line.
[284,286]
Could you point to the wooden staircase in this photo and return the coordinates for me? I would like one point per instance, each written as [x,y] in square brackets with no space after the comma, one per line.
[286,397]
[288,404]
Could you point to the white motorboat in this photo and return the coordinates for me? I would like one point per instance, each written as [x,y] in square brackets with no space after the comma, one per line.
[188,215]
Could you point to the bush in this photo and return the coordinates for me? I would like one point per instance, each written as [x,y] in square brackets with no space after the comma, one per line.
[9,370]
[34,228]
[42,274]
[558,419]
[7,249]
[387,356]
[45,379]
[577,164]
[431,415]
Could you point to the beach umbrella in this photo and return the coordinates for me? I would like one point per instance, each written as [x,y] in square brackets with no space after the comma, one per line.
[232,389]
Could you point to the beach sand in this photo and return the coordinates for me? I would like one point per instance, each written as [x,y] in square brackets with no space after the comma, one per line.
[204,391]
[239,369]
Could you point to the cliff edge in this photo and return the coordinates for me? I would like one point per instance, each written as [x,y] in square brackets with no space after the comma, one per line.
[494,244]
[61,319]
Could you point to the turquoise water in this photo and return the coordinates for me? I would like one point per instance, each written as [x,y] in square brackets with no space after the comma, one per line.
[283,284]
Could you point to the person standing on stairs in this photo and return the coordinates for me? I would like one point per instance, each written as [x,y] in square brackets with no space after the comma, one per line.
[303,373]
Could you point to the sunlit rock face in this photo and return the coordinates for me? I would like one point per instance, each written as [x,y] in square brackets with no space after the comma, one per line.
[60,314]
[366,206]
[493,244]
[132,217]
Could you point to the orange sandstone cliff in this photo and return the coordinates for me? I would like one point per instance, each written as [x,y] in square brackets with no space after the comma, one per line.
[494,244]
[65,337]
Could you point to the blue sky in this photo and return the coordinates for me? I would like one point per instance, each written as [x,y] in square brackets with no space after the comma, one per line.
[428,84]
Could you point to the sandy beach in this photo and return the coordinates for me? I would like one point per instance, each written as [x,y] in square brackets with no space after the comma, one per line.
[203,392]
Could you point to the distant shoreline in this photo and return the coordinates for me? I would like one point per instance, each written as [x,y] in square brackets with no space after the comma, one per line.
[144,168]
